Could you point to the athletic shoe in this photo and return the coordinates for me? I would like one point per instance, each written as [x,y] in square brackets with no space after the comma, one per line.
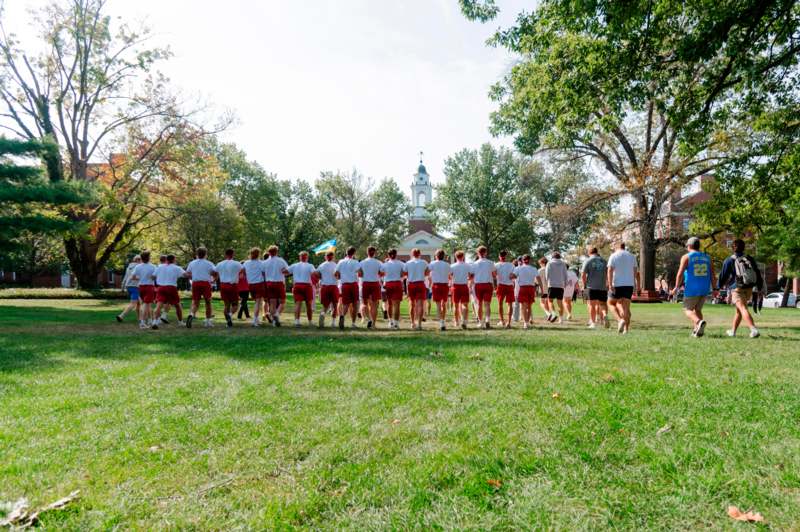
[552,318]
[754,333]
[341,323]
[276,320]
[297,323]
[369,324]
[154,326]
[621,326]
[268,317]
[569,317]
[182,323]
[164,320]
[442,327]
[208,324]
[256,323]
[354,325]
[464,325]
[731,333]
[508,325]
[321,321]
[419,326]
[560,321]
[385,315]
[143,326]
[524,325]
[228,320]
[592,325]
[119,319]
[333,323]
[701,328]
[189,320]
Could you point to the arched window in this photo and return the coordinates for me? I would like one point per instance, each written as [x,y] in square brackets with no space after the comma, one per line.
[421,242]
[421,198]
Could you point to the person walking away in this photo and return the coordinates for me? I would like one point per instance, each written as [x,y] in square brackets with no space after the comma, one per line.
[244,293]
[347,273]
[370,271]
[505,289]
[302,288]
[145,275]
[229,273]
[275,271]
[544,300]
[739,275]
[254,271]
[483,274]
[416,270]
[593,275]
[201,271]
[569,291]
[329,289]
[392,273]
[697,274]
[461,273]
[623,277]
[440,282]
[527,278]
[167,276]
[131,286]
[555,273]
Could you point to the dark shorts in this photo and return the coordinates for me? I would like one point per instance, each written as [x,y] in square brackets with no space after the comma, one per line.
[555,293]
[133,293]
[621,292]
[598,295]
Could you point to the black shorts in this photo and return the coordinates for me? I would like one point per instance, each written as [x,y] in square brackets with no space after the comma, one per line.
[621,292]
[555,293]
[598,295]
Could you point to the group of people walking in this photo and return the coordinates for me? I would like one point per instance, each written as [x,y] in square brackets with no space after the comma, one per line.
[355,287]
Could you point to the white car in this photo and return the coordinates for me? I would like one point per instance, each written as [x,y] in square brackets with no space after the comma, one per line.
[774,299]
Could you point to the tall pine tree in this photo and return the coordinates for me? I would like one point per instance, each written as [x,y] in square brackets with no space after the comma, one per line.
[28,200]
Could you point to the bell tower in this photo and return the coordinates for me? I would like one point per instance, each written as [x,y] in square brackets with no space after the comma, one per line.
[421,192]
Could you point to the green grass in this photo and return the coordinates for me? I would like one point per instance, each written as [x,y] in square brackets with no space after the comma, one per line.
[219,429]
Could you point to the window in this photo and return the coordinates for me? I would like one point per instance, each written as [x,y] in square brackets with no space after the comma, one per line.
[421,242]
[110,276]
[686,222]
[420,199]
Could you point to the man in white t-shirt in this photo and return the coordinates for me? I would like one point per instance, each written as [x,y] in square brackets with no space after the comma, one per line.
[505,288]
[167,276]
[416,269]
[527,278]
[302,288]
[370,272]
[201,271]
[329,289]
[461,275]
[347,273]
[228,275]
[392,273]
[144,274]
[483,272]
[254,272]
[439,275]
[555,273]
[623,279]
[275,271]
[569,291]
[544,299]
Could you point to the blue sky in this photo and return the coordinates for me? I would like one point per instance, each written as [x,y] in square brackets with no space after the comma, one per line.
[331,84]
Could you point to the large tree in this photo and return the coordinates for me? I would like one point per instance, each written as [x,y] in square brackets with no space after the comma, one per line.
[94,92]
[658,92]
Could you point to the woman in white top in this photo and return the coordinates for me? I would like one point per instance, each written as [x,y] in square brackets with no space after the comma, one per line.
[569,292]
[132,287]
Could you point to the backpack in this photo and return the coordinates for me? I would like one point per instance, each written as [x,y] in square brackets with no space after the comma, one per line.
[746,274]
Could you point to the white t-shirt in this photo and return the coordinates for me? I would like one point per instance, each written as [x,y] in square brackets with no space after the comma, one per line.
[201,270]
[301,271]
[144,273]
[348,270]
[504,271]
[572,282]
[254,270]
[624,264]
[392,270]
[526,275]
[440,272]
[273,269]
[415,268]
[543,278]
[228,271]
[461,272]
[127,281]
[326,271]
[370,268]
[482,269]
[168,274]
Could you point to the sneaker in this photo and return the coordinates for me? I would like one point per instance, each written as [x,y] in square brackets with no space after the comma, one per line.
[341,323]
[621,327]
[189,320]
[255,323]
[701,328]
[369,324]
[500,325]
[354,325]
[385,315]
[181,323]
[419,326]
[560,320]
[442,327]
[524,325]
[154,326]
[228,320]
[592,325]
[209,324]
[754,333]
[164,320]
[143,326]
[552,318]
[730,332]
[297,323]
[268,317]
[333,323]
[508,325]
[569,317]
[321,321]
[464,325]
[276,321]
[119,319]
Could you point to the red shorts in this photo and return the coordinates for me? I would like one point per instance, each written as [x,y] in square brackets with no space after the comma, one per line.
[394,290]
[483,292]
[460,293]
[329,295]
[303,292]
[275,290]
[371,290]
[527,294]
[505,291]
[258,290]
[229,292]
[201,289]
[440,291]
[147,293]
[168,295]
[417,291]
[349,293]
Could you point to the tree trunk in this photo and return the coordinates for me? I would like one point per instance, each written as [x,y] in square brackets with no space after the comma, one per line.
[786,291]
[647,256]
[83,262]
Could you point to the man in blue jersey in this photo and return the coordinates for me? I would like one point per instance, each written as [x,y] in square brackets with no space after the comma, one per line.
[697,274]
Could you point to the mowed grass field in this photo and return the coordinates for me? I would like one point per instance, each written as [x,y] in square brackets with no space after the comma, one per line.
[558,427]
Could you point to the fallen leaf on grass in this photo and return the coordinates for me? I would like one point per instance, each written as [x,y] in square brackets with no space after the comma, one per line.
[496,484]
[21,517]
[154,448]
[556,395]
[476,356]
[663,430]
[435,354]
[395,422]
[609,378]
[749,516]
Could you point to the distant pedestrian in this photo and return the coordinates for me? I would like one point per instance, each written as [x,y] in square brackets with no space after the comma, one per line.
[697,274]
[244,293]
[740,274]
[593,275]
[131,286]
[555,273]
[623,278]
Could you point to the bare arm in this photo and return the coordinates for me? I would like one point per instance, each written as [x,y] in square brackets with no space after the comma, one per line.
[679,276]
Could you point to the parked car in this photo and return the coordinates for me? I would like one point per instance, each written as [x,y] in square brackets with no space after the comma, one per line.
[774,299]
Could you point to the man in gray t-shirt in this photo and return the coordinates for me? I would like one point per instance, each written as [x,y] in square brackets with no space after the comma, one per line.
[593,276]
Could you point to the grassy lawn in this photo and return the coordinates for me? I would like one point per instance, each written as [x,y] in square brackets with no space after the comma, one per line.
[556,427]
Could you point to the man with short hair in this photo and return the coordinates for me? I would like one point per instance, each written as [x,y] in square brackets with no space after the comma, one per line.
[461,273]
[697,274]
[439,274]
[162,259]
[131,286]
[527,278]
[145,275]
[622,276]
[370,271]
[392,273]
[329,289]
[593,276]
[556,275]
[740,274]
[254,272]
[228,271]
[505,288]
[416,269]
[347,273]
[569,291]
[201,272]
[302,288]
[483,272]
[544,300]
[167,276]
[275,271]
